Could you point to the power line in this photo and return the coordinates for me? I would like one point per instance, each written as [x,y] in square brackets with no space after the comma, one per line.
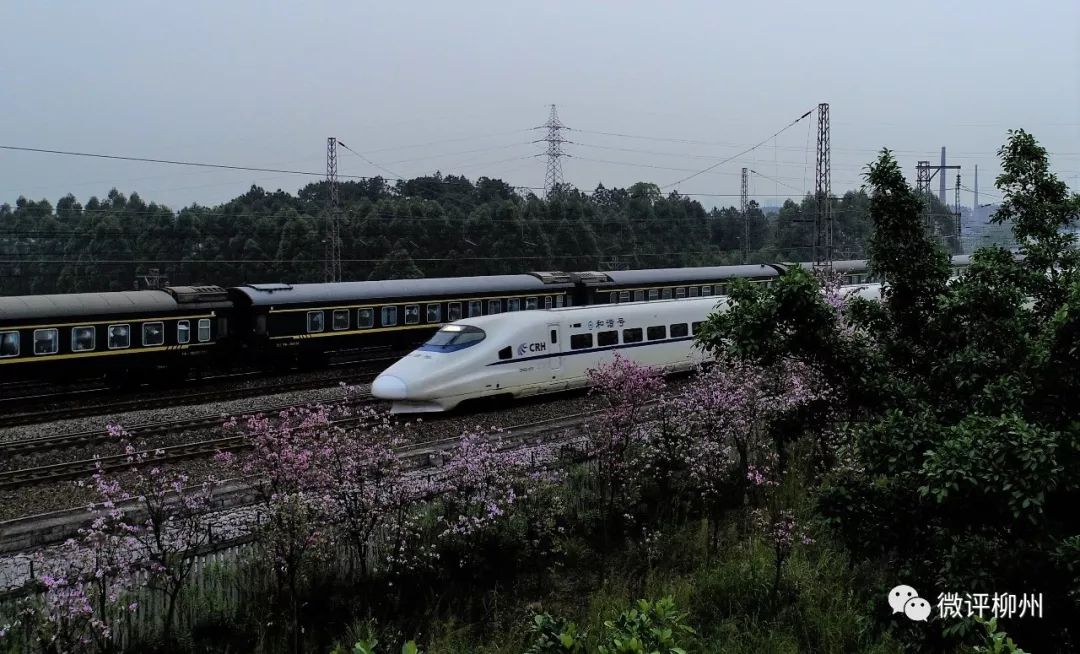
[751,148]
[385,170]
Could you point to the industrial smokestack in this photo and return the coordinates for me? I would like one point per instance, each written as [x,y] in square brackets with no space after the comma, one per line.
[941,179]
[975,202]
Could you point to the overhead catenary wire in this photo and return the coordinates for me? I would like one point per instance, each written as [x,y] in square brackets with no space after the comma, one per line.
[369,161]
[736,156]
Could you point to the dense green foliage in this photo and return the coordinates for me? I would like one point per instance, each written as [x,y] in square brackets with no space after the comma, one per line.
[428,226]
[961,468]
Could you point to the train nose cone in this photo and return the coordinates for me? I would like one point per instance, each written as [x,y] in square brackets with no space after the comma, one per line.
[388,387]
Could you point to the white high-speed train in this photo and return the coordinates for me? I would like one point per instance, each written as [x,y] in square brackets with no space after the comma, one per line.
[547,351]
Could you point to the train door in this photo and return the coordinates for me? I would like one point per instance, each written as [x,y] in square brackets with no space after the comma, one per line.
[555,345]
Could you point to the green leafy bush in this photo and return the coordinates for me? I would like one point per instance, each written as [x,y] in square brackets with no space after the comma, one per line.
[652,627]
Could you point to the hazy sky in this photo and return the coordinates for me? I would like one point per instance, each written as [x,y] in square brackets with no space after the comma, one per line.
[418,87]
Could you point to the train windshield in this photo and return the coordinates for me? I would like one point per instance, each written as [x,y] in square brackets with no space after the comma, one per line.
[454,337]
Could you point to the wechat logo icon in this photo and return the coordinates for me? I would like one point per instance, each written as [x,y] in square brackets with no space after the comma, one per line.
[906,600]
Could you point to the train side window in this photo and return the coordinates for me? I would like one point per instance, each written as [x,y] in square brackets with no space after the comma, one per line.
[558,301]
[83,338]
[119,337]
[9,344]
[722,289]
[531,303]
[365,318]
[453,311]
[624,296]
[604,339]
[654,294]
[46,341]
[315,321]
[494,306]
[554,336]
[153,333]
[680,330]
[341,319]
[505,353]
[632,335]
[656,333]
[412,314]
[580,341]
[513,304]
[183,330]
[695,327]
[665,294]
[680,292]
[639,296]
[389,316]
[694,290]
[434,312]
[547,302]
[706,291]
[260,327]
[612,297]
[476,308]
[204,330]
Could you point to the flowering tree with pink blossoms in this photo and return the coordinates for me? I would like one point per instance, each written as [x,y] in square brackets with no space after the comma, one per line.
[627,389]
[733,410]
[287,461]
[164,517]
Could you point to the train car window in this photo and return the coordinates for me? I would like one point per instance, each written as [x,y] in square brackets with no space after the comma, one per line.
[476,308]
[513,304]
[453,311]
[531,303]
[204,330]
[494,306]
[153,333]
[260,327]
[315,321]
[183,330]
[612,297]
[412,314]
[632,335]
[547,302]
[389,316]
[679,330]
[706,291]
[365,318]
[558,301]
[604,339]
[46,341]
[505,353]
[694,290]
[656,332]
[696,326]
[654,294]
[434,312]
[83,338]
[680,292]
[9,344]
[340,319]
[119,337]
[554,336]
[580,341]
[639,296]
[624,296]
[665,294]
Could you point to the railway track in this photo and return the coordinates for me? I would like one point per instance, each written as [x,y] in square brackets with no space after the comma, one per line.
[12,479]
[51,414]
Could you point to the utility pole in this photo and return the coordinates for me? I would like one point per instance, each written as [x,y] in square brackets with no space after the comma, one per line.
[823,222]
[924,174]
[956,214]
[553,178]
[332,240]
[745,205]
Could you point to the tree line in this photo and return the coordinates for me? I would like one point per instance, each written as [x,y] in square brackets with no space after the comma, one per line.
[424,227]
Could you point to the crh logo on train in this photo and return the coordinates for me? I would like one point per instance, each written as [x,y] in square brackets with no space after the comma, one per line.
[531,347]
